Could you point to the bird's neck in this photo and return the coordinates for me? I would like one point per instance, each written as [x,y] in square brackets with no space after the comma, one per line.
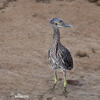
[56,35]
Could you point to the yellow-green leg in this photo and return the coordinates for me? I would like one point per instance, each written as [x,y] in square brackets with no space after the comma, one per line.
[55,79]
[65,82]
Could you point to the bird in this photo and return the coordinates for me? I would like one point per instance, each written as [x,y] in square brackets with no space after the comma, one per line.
[59,56]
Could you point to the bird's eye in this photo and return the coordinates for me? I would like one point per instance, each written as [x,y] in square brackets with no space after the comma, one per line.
[56,24]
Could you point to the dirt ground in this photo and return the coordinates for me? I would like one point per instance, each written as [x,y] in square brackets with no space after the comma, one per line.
[25,37]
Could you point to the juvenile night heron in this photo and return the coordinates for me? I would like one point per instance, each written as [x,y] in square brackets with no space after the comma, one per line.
[60,57]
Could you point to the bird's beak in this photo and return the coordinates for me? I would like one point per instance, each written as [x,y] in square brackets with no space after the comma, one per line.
[67,25]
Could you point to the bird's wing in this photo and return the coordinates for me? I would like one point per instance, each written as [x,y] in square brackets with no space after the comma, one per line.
[66,57]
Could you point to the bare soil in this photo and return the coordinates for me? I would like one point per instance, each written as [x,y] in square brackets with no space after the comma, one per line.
[25,37]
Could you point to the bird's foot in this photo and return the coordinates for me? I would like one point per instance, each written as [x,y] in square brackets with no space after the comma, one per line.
[65,92]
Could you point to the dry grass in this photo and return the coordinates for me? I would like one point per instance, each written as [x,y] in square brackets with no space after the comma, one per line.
[93,50]
[98,3]
[4,4]
[92,0]
[34,15]
[43,1]
[81,54]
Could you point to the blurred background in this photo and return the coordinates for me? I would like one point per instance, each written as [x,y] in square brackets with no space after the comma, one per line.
[25,37]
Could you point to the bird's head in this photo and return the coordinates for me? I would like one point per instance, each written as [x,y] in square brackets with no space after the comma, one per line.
[57,23]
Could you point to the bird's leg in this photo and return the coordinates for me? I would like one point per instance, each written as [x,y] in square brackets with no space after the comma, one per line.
[55,78]
[65,82]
